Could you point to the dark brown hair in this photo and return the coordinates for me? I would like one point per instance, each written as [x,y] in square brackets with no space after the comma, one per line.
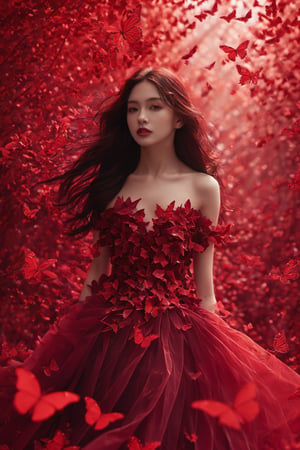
[100,172]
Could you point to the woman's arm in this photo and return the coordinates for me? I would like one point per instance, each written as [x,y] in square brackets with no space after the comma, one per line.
[209,191]
[100,265]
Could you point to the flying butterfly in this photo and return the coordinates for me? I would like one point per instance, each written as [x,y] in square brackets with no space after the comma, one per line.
[34,269]
[244,409]
[246,17]
[190,53]
[234,52]
[135,444]
[229,17]
[247,76]
[96,418]
[280,343]
[129,29]
[29,397]
[140,339]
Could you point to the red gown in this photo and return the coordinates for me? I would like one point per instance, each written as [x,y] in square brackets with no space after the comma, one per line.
[142,346]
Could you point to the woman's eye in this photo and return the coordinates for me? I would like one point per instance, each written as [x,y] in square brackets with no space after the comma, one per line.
[155,107]
[131,109]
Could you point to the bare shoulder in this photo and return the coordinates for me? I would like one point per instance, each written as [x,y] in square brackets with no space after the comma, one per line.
[208,193]
[206,183]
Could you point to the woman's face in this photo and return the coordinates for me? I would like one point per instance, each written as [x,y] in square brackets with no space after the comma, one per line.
[150,120]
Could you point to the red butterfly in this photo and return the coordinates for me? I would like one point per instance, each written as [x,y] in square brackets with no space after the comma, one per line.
[129,29]
[190,53]
[294,131]
[52,367]
[151,308]
[30,213]
[195,375]
[96,418]
[295,184]
[244,408]
[201,16]
[214,8]
[191,437]
[271,10]
[234,52]
[289,272]
[29,397]
[246,17]
[135,444]
[143,341]
[229,17]
[33,269]
[247,76]
[59,442]
[280,343]
[210,66]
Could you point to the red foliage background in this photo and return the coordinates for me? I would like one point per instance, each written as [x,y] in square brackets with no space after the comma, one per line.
[61,58]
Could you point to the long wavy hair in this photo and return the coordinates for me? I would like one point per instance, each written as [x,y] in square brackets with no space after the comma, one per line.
[97,176]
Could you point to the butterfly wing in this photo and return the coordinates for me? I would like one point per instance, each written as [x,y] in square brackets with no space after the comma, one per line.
[93,411]
[241,49]
[106,419]
[29,390]
[190,53]
[226,415]
[230,418]
[129,29]
[230,16]
[231,52]
[130,22]
[133,35]
[30,265]
[246,17]
[211,407]
[245,404]
[148,339]
[134,444]
[280,343]
[245,74]
[143,341]
[95,417]
[50,403]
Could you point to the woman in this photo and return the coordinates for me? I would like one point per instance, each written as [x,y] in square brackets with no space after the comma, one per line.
[145,342]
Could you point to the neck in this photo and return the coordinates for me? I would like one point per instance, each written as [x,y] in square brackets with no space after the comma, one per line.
[158,160]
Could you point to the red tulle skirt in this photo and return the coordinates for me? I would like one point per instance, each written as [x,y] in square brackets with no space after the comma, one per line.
[154,385]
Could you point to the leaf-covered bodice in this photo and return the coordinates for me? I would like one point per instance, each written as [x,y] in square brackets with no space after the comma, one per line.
[151,268]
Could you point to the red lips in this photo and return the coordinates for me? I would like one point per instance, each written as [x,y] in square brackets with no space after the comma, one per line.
[143,131]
